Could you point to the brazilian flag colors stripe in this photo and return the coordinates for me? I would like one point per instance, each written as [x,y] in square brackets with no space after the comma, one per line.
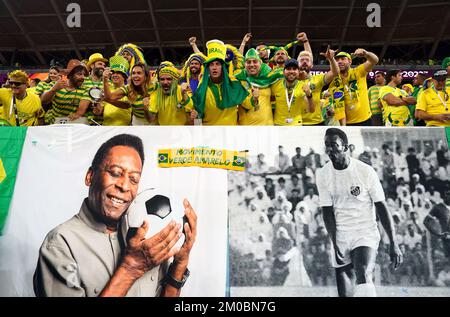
[11,144]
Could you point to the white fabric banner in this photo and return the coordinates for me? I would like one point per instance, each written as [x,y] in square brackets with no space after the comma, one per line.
[50,189]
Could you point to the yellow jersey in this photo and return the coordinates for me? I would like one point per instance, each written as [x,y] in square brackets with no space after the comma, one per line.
[115,116]
[434,102]
[285,114]
[215,116]
[316,83]
[29,110]
[171,110]
[263,113]
[394,115]
[351,92]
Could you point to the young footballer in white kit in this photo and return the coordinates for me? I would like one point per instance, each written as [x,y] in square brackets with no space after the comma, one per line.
[349,193]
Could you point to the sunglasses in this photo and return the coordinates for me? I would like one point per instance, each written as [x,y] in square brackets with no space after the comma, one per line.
[16,83]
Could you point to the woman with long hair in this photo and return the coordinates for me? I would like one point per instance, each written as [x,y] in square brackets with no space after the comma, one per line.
[137,91]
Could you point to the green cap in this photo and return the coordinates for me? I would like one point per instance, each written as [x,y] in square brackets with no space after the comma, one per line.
[118,63]
[252,54]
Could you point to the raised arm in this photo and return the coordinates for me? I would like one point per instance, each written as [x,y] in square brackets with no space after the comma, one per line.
[371,58]
[111,96]
[334,68]
[309,96]
[193,43]
[47,96]
[245,40]
[302,37]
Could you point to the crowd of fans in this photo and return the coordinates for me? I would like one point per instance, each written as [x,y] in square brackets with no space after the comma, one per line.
[274,210]
[227,86]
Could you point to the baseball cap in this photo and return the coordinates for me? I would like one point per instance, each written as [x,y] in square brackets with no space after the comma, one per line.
[343,54]
[291,63]
[440,74]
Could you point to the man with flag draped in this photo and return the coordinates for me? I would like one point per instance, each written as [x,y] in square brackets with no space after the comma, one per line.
[218,94]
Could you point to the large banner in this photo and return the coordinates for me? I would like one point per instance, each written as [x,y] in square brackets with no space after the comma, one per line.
[11,142]
[260,230]
[279,243]
[51,187]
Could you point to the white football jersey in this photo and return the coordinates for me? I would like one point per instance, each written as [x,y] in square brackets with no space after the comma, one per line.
[352,193]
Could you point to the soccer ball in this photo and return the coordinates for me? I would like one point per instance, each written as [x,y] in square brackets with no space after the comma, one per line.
[155,207]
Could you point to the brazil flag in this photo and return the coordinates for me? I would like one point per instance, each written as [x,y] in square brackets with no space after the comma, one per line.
[163,158]
[11,143]
[239,161]
[448,135]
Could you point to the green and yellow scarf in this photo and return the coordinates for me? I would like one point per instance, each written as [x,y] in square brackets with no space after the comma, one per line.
[233,93]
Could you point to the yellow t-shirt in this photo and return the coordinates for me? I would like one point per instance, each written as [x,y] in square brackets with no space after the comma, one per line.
[283,115]
[263,115]
[352,92]
[115,116]
[394,115]
[339,107]
[216,116]
[170,109]
[29,109]
[32,90]
[430,102]
[316,83]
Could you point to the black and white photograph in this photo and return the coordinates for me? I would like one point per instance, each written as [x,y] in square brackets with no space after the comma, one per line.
[342,212]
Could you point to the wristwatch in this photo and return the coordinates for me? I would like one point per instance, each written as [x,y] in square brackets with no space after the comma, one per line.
[170,280]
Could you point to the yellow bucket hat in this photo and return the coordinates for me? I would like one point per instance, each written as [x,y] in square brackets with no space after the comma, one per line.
[94,58]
